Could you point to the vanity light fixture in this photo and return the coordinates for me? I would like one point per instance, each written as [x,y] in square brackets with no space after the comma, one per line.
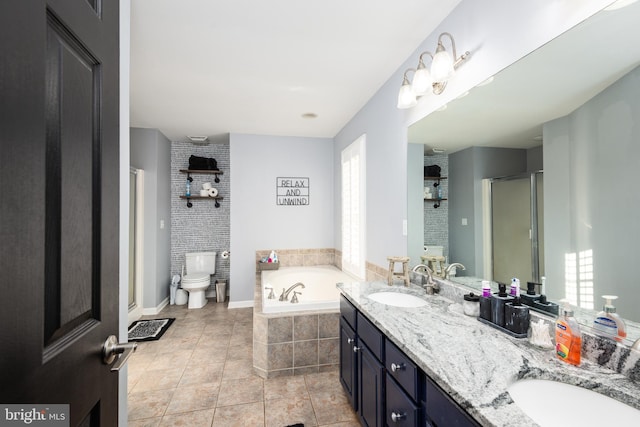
[443,66]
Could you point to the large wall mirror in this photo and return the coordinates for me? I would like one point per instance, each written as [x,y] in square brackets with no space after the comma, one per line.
[568,115]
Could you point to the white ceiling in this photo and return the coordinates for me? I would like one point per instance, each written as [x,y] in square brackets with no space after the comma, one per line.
[210,67]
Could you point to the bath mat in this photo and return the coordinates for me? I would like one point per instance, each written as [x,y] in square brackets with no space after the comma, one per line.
[149,330]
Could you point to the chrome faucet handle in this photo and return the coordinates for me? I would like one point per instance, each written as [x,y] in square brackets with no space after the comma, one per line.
[271,294]
[294,299]
[283,296]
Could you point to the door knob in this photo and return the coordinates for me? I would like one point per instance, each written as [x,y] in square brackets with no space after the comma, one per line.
[112,348]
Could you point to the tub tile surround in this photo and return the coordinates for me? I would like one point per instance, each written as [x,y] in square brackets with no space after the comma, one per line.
[295,343]
[475,363]
[299,343]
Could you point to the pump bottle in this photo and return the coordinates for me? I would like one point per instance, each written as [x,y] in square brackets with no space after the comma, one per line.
[568,337]
[608,323]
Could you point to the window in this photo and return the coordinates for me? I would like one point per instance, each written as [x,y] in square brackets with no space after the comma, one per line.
[353,208]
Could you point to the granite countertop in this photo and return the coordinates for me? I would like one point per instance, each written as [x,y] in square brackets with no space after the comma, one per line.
[474,362]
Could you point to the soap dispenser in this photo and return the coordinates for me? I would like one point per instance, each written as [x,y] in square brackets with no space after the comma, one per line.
[497,304]
[517,316]
[568,337]
[608,323]
[530,296]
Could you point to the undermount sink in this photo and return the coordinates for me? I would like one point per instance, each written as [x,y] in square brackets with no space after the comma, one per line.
[398,299]
[552,403]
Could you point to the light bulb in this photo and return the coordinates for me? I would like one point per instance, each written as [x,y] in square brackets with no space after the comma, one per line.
[406,97]
[422,81]
[442,66]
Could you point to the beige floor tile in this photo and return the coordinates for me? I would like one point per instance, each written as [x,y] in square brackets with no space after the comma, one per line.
[147,422]
[158,379]
[344,424]
[331,407]
[177,359]
[236,392]
[324,381]
[188,419]
[240,352]
[248,415]
[238,369]
[199,373]
[284,412]
[193,398]
[285,388]
[148,404]
[208,355]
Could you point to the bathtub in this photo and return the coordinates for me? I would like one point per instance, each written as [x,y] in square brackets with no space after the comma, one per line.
[319,293]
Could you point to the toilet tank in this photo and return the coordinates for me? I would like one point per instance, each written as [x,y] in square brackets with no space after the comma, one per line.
[201,262]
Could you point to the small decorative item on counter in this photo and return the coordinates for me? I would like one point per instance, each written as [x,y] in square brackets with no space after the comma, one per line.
[471,304]
[515,287]
[269,262]
[539,334]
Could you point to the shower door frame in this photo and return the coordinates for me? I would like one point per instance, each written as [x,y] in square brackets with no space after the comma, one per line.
[136,309]
[487,195]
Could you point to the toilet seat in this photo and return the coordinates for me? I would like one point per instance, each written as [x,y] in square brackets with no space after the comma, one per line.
[195,279]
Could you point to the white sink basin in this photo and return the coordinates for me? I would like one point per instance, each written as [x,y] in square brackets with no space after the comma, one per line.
[397,299]
[551,403]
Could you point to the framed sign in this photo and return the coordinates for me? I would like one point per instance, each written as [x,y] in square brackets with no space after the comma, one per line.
[292,191]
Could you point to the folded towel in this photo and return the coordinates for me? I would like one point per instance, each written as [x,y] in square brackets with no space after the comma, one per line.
[202,163]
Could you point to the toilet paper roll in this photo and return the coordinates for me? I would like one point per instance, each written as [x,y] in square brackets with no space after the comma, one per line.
[213,192]
[204,193]
[206,185]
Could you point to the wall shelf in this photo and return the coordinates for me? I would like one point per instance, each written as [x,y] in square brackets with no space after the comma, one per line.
[436,184]
[215,172]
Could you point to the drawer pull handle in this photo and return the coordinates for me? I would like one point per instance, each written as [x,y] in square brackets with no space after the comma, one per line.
[398,367]
[350,340]
[356,349]
[395,417]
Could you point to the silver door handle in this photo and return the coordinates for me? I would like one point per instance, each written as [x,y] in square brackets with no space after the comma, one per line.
[112,348]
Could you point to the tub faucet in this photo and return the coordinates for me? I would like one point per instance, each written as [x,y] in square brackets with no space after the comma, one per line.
[636,345]
[285,294]
[447,271]
[431,286]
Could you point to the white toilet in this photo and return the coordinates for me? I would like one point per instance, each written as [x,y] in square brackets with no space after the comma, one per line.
[200,267]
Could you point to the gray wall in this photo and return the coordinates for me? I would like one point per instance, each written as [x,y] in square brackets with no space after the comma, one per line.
[203,227]
[415,203]
[256,222]
[467,169]
[591,195]
[150,151]
[535,159]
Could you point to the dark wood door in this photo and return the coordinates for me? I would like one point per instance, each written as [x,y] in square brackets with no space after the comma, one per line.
[59,178]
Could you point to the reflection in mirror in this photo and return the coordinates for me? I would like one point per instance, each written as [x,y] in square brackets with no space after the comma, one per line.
[572,114]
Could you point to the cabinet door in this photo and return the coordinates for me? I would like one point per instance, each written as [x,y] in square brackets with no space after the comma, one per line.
[442,411]
[348,362]
[370,386]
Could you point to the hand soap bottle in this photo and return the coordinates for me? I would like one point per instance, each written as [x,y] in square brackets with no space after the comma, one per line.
[608,323]
[568,337]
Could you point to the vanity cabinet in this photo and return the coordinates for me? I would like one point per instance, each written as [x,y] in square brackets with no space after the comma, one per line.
[361,368]
[385,387]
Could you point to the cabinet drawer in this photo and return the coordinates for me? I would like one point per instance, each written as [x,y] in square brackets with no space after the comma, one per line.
[348,311]
[371,336]
[404,371]
[442,411]
[401,411]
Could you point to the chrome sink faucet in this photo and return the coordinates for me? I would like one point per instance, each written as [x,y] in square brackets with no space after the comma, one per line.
[431,286]
[285,294]
[447,271]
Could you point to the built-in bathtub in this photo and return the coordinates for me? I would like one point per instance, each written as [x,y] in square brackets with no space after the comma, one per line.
[297,338]
[319,292]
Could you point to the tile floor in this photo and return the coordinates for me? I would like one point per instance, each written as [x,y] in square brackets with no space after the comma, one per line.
[200,373]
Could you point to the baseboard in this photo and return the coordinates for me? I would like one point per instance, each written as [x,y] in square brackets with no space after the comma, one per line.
[155,310]
[240,304]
